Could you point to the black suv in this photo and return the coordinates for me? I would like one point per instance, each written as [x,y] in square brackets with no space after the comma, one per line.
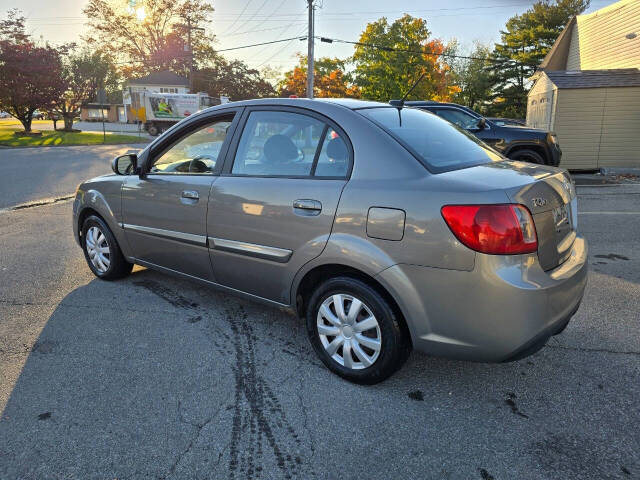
[516,142]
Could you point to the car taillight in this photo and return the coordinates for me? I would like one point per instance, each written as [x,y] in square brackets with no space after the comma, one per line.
[495,229]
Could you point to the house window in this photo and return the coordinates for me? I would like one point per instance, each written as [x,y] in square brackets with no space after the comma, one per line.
[168,90]
[97,113]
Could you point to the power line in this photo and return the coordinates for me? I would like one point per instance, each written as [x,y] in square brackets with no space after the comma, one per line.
[302,37]
[252,16]
[238,17]
[263,29]
[416,52]
[279,51]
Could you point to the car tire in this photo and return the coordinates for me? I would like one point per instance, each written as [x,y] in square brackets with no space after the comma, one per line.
[101,250]
[153,130]
[527,156]
[375,349]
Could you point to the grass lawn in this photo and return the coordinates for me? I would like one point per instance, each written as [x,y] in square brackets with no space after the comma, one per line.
[52,138]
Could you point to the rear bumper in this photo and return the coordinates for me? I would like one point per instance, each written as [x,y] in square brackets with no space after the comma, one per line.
[505,307]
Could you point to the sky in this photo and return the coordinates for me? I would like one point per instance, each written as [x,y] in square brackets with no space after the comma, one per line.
[243,22]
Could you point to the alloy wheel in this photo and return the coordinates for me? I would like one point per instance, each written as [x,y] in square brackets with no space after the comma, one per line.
[349,331]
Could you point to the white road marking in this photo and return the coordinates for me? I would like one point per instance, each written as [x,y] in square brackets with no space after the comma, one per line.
[608,213]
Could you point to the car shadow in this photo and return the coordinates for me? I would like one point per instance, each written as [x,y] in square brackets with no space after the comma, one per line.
[154,376]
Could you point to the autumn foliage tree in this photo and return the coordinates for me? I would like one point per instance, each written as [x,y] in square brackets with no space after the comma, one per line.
[30,75]
[329,81]
[392,56]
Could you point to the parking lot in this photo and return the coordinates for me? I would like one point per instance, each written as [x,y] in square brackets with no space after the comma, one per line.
[154,377]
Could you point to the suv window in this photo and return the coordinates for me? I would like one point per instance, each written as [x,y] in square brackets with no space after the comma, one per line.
[196,153]
[439,145]
[460,118]
[278,144]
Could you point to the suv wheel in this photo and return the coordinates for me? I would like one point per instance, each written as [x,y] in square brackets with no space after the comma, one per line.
[527,156]
[354,331]
[101,250]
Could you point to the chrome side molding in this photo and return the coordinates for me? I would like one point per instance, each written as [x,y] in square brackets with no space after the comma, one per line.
[170,234]
[280,255]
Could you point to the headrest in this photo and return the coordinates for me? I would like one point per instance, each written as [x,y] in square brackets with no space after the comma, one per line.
[280,149]
[336,149]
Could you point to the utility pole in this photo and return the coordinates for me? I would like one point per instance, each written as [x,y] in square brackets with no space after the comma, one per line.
[190,47]
[310,51]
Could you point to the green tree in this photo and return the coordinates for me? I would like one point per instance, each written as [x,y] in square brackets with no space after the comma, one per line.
[383,74]
[474,77]
[525,41]
[83,72]
[233,79]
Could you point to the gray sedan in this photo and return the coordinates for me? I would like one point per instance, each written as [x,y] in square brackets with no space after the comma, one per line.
[385,228]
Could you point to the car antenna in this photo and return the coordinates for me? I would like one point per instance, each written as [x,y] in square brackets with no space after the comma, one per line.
[400,103]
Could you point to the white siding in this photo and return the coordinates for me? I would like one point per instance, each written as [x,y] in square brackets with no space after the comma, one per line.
[598,40]
[540,103]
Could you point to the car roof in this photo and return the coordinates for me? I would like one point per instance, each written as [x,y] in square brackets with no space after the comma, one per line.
[349,103]
[433,103]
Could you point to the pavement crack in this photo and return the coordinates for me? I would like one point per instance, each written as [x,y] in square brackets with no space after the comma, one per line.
[192,442]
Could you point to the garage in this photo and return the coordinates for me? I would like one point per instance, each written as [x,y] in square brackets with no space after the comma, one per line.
[595,113]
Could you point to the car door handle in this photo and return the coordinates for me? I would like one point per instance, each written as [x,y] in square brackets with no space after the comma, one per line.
[192,194]
[307,207]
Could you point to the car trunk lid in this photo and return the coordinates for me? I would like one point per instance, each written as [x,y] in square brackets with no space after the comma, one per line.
[546,191]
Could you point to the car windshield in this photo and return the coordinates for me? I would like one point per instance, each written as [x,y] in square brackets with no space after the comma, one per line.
[438,144]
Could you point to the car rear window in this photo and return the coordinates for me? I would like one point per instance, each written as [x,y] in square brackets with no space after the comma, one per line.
[438,144]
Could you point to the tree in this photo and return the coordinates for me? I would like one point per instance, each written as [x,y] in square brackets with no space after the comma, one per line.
[525,41]
[233,79]
[329,79]
[474,78]
[30,76]
[389,72]
[153,35]
[83,72]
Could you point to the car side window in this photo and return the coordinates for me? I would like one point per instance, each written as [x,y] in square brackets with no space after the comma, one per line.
[457,117]
[196,153]
[278,144]
[334,156]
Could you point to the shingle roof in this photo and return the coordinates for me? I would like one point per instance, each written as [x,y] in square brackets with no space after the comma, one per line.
[624,77]
[160,78]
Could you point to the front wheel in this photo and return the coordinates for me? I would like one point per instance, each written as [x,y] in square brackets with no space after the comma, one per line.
[101,250]
[527,156]
[355,331]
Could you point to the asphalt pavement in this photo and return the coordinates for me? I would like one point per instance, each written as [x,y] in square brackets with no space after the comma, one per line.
[154,377]
[33,174]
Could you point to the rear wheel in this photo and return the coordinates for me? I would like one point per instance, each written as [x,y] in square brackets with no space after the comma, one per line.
[527,156]
[101,250]
[355,331]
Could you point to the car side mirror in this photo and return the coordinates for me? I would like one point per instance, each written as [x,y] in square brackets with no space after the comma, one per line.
[124,164]
[482,123]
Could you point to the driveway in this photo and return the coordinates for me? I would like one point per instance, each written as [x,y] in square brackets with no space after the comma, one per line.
[154,377]
[30,174]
